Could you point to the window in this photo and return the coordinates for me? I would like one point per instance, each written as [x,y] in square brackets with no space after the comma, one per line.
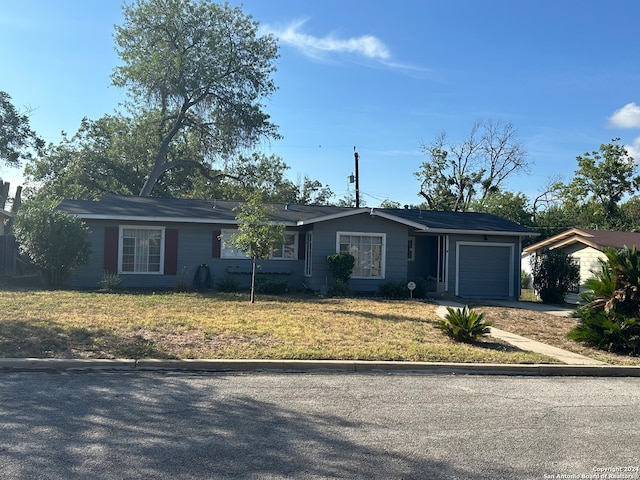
[288,250]
[227,250]
[411,249]
[308,248]
[368,250]
[141,250]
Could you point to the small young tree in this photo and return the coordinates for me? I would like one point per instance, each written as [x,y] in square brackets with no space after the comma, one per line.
[554,274]
[54,241]
[257,234]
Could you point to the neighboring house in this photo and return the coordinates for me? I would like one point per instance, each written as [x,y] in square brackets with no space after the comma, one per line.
[153,242]
[585,246]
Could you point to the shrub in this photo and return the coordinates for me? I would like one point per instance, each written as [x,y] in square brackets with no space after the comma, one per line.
[340,266]
[227,284]
[110,281]
[398,290]
[609,318]
[271,285]
[464,324]
[554,274]
[525,280]
[54,241]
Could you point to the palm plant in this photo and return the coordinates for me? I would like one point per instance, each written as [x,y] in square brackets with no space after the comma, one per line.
[610,316]
[464,324]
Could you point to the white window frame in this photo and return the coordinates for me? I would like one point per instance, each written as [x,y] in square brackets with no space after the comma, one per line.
[308,254]
[122,228]
[282,249]
[227,250]
[411,249]
[383,252]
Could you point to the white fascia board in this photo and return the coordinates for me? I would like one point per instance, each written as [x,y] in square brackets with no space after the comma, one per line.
[133,218]
[451,231]
[333,216]
[423,228]
[409,223]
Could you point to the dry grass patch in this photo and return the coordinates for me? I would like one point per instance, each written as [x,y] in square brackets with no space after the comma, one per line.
[69,324]
[548,329]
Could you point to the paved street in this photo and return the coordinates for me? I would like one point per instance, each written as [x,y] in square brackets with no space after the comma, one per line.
[115,425]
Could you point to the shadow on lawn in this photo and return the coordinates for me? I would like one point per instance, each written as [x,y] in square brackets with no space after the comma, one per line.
[39,339]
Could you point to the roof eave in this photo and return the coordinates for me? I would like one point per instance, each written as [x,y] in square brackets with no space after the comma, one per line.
[333,216]
[144,218]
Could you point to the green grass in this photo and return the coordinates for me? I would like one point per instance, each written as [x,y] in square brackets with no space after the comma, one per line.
[71,324]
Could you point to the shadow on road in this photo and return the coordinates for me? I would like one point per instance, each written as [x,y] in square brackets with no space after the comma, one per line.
[168,426]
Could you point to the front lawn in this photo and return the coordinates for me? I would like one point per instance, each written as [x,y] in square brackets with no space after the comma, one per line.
[71,324]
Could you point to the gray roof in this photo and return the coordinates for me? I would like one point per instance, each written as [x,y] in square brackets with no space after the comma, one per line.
[120,207]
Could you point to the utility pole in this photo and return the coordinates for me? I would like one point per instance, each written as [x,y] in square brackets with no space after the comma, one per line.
[355,155]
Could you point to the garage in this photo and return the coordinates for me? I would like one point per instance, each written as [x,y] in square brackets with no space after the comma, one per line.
[484,270]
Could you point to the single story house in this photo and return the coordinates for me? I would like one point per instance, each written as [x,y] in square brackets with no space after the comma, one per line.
[151,242]
[585,246]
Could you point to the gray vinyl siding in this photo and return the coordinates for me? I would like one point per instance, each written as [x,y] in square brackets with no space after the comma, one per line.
[194,248]
[324,243]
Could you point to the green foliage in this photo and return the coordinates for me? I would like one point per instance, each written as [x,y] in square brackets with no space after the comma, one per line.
[15,134]
[341,265]
[464,324]
[227,284]
[339,288]
[525,280]
[270,285]
[203,69]
[603,178]
[399,290]
[509,205]
[609,318]
[54,241]
[257,234]
[110,281]
[554,274]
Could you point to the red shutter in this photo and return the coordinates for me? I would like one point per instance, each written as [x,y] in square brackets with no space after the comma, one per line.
[170,251]
[301,245]
[111,249]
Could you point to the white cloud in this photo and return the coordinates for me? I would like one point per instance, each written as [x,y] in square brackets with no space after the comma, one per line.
[634,149]
[626,117]
[367,45]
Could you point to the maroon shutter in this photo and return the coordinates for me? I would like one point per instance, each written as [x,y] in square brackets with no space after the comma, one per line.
[111,249]
[301,245]
[216,244]
[170,251]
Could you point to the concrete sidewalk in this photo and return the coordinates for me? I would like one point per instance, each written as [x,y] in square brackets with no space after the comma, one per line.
[523,343]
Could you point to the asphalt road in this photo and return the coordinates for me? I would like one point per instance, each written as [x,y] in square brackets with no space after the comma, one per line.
[115,425]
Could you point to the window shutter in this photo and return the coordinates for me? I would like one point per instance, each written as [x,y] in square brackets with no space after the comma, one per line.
[170,251]
[111,249]
[216,244]
[301,245]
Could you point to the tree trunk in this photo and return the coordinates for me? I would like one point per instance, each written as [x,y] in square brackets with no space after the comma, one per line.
[253,280]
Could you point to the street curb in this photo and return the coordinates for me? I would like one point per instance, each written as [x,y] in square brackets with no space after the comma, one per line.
[310,366]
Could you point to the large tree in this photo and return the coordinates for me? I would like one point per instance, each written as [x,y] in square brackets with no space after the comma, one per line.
[457,174]
[16,136]
[200,69]
[602,180]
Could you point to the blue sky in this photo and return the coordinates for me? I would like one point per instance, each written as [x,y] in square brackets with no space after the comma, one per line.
[384,77]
